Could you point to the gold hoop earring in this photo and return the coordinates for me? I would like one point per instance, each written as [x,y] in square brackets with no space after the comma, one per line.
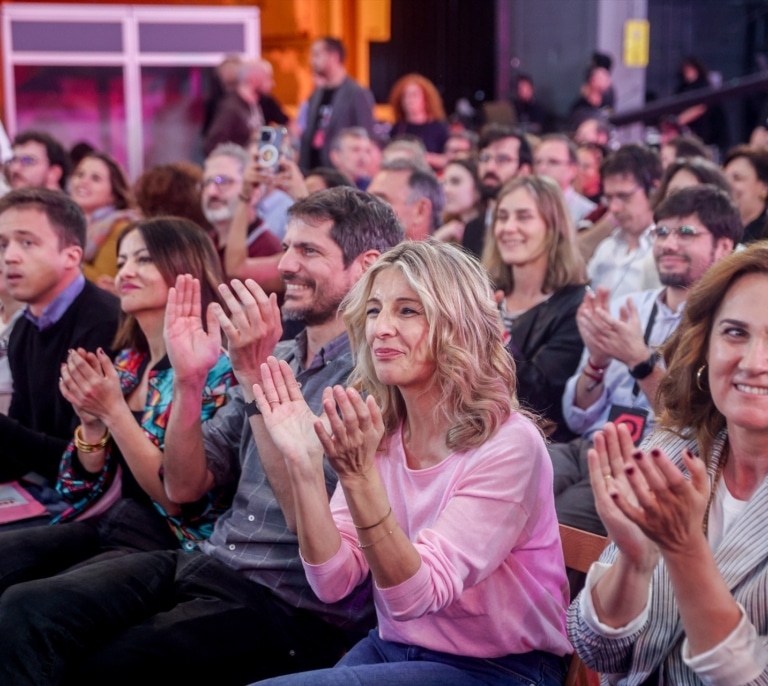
[698,377]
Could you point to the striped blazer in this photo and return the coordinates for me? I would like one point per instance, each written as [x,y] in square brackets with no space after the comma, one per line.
[742,558]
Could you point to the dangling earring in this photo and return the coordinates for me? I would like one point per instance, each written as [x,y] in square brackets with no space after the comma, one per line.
[698,377]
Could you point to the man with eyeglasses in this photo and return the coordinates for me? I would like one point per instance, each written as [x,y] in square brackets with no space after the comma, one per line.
[556,157]
[621,368]
[39,161]
[622,262]
[505,153]
[222,187]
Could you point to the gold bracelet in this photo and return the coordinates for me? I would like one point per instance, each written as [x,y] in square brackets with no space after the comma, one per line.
[373,526]
[85,447]
[245,198]
[378,540]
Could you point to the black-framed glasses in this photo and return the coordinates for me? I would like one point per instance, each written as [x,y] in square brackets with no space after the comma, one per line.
[682,233]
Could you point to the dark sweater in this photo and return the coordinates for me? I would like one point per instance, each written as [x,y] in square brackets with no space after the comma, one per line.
[547,347]
[40,421]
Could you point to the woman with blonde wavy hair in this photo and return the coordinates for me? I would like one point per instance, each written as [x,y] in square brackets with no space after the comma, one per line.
[445,485]
[531,255]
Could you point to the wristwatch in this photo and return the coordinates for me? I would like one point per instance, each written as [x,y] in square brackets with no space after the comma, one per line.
[645,368]
[252,409]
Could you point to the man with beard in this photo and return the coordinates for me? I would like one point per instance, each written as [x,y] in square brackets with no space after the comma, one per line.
[39,161]
[505,153]
[621,366]
[222,188]
[240,609]
[340,103]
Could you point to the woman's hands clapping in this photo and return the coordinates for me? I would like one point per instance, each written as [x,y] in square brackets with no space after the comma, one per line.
[645,501]
[89,381]
[349,440]
[354,436]
[288,418]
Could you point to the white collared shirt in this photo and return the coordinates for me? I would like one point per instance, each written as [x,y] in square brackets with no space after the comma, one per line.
[621,270]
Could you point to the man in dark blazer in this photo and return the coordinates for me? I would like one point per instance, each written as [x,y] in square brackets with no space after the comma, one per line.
[340,103]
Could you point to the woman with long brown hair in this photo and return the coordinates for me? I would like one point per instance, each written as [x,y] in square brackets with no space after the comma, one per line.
[679,596]
[100,188]
[531,254]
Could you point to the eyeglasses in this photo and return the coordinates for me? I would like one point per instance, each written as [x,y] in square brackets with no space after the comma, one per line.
[499,158]
[23,160]
[682,233]
[218,181]
[622,197]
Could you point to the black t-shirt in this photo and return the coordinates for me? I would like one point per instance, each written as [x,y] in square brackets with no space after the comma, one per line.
[432,133]
[320,125]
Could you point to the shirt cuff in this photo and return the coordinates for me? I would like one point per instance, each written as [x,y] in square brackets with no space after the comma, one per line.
[741,657]
[588,612]
[582,420]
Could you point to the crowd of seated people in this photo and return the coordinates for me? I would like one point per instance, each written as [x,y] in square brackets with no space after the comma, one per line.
[318,423]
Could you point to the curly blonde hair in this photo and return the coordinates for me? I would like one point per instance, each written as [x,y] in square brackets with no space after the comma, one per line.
[474,372]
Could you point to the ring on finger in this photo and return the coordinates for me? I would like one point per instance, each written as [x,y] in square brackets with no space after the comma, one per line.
[607,477]
[273,402]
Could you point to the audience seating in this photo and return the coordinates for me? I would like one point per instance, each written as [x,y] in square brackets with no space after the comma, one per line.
[581,549]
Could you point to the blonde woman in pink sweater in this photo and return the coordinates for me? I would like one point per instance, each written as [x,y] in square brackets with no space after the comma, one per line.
[445,486]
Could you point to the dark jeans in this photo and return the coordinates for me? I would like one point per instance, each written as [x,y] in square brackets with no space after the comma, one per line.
[147,617]
[384,663]
[574,500]
[42,551]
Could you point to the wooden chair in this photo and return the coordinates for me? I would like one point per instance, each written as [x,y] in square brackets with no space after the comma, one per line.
[580,550]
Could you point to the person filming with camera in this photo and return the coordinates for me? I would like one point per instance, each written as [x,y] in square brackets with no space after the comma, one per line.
[251,245]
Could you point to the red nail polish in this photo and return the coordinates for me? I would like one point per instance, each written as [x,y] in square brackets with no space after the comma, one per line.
[656,452]
[638,454]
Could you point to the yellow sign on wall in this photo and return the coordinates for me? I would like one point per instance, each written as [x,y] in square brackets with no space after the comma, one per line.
[637,34]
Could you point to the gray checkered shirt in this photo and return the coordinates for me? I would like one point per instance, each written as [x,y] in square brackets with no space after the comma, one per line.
[252,536]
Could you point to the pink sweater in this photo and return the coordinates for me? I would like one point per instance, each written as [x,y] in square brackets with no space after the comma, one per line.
[492,579]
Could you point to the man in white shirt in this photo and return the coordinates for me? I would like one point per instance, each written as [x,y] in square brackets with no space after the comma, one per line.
[623,262]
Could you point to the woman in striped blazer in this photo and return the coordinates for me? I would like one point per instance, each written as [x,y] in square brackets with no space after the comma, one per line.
[681,595]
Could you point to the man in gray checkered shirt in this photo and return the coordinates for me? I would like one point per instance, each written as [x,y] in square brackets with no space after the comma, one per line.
[240,609]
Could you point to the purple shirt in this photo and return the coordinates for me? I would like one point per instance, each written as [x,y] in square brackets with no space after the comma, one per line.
[60,304]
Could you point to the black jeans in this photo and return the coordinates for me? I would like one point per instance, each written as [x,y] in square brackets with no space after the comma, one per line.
[574,500]
[42,551]
[145,617]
